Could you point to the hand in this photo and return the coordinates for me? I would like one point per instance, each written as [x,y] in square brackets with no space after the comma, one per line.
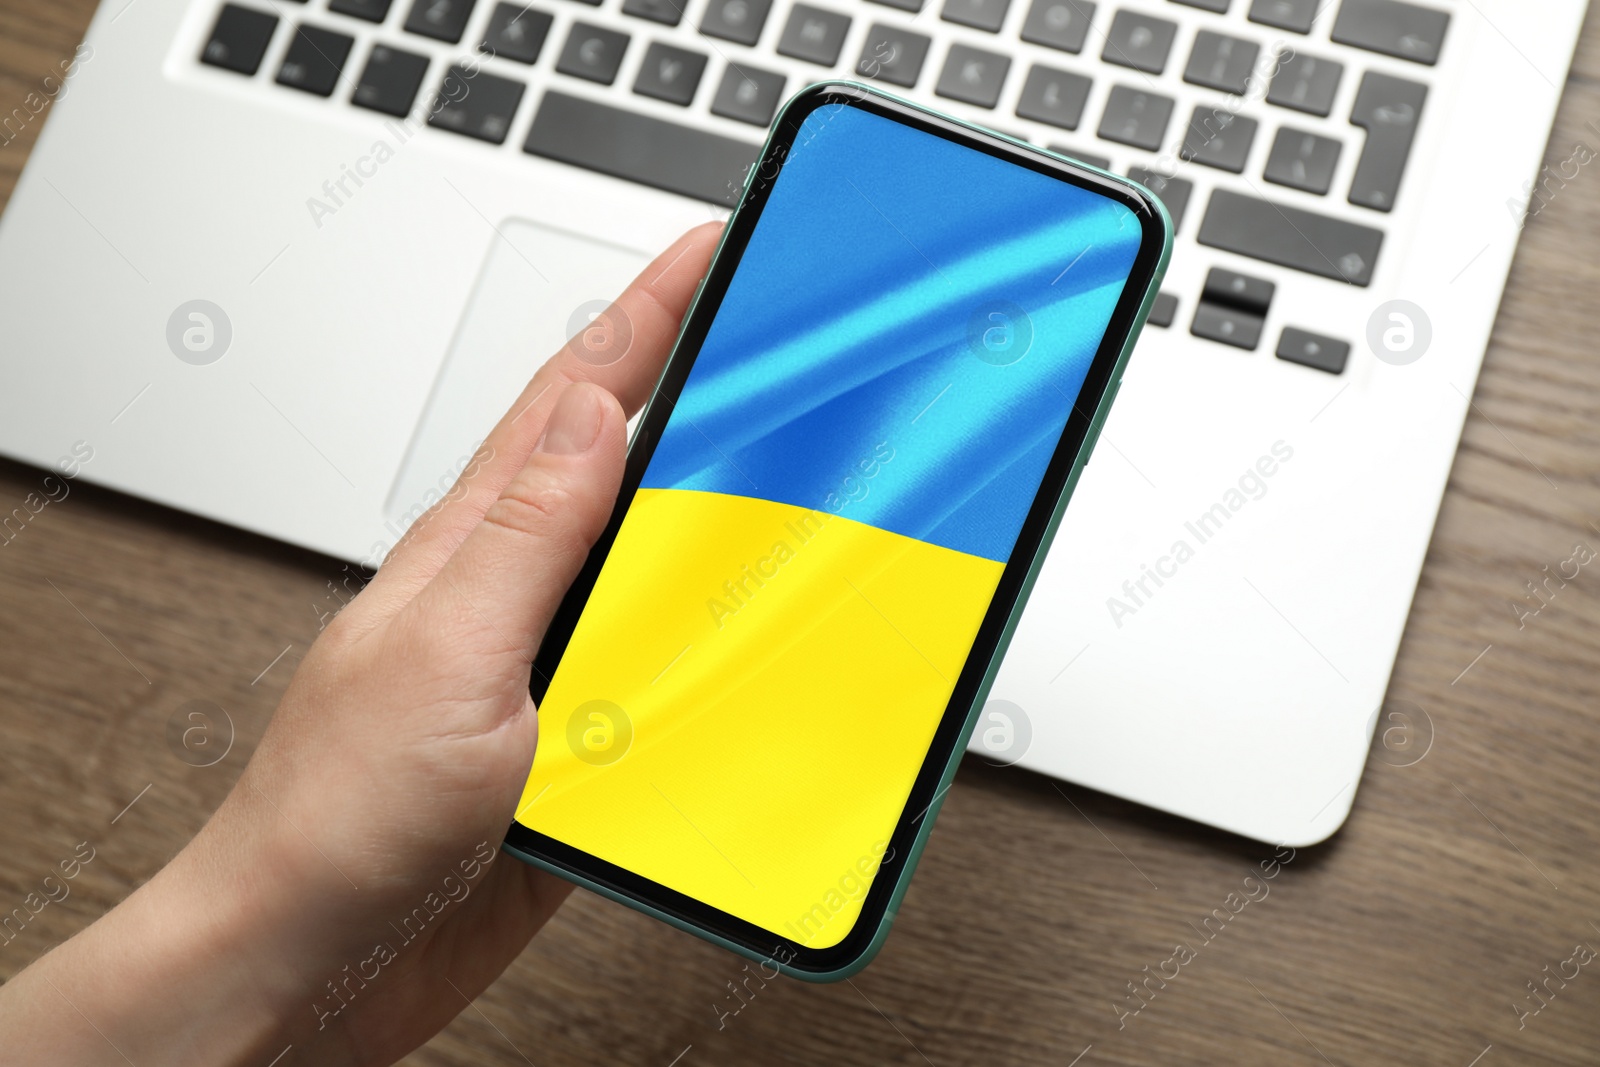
[348,897]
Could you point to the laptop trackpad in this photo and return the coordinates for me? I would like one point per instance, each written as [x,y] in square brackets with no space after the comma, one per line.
[537,287]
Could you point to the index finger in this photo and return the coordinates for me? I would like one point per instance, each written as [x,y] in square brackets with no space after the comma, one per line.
[624,347]
[622,351]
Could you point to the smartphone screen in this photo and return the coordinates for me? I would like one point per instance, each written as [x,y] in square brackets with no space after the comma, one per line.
[832,493]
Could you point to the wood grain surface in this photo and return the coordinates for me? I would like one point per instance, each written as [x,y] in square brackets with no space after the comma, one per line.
[1410,937]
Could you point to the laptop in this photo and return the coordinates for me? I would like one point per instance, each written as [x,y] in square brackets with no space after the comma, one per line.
[281,263]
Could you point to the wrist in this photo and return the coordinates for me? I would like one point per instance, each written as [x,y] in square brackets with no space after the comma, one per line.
[192,968]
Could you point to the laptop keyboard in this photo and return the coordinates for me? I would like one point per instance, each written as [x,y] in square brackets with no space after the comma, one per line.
[715,60]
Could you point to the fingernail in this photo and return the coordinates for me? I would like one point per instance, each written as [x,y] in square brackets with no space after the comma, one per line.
[574,423]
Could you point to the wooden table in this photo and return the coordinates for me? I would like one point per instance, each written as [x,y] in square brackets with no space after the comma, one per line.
[1408,938]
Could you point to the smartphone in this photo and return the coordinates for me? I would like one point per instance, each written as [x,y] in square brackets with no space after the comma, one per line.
[755,695]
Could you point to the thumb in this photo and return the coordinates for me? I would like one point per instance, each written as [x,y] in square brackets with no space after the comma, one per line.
[497,592]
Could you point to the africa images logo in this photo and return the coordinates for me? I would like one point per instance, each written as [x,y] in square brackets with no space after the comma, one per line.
[199,332]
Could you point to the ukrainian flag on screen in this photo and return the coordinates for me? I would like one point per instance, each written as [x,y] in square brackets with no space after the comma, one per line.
[772,641]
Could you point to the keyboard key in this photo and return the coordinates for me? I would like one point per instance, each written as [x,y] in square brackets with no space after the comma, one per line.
[670,74]
[662,155]
[476,104]
[1221,62]
[516,32]
[1313,350]
[1174,192]
[1233,308]
[1135,117]
[314,60]
[371,10]
[973,76]
[1293,15]
[814,35]
[1291,237]
[1053,96]
[1139,41]
[1059,24]
[1163,310]
[1388,109]
[1230,326]
[1302,160]
[979,14]
[893,55]
[1305,83]
[1219,6]
[1218,138]
[666,12]
[239,39]
[1081,157]
[593,53]
[1406,31]
[390,81]
[903,5]
[443,20]
[1237,290]
[736,20]
[748,94]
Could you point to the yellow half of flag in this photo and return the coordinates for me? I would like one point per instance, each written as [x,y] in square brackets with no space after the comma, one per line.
[747,699]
